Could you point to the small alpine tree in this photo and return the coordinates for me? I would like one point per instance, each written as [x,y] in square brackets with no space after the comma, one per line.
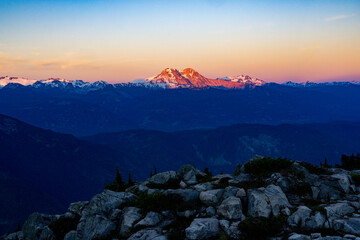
[130,181]
[207,172]
[326,163]
[117,185]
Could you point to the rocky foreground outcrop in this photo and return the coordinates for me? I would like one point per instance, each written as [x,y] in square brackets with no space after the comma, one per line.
[299,202]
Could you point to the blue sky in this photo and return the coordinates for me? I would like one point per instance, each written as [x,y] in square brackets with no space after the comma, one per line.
[125,40]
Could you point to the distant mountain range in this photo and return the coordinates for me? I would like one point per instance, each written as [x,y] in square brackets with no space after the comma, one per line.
[88,108]
[222,148]
[189,78]
[53,169]
[168,78]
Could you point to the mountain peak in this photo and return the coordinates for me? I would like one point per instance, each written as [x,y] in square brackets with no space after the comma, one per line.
[171,72]
[189,70]
[190,78]
[168,78]
[23,81]
[189,73]
[171,77]
[196,79]
[244,79]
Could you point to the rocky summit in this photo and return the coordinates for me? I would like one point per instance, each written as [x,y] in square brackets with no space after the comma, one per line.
[189,78]
[264,199]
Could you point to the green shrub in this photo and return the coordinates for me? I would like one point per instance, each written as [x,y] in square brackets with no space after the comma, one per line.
[173,183]
[223,236]
[176,234]
[153,202]
[315,169]
[158,202]
[207,172]
[312,202]
[356,179]
[266,165]
[256,183]
[296,173]
[318,208]
[237,170]
[181,206]
[203,179]
[262,228]
[207,178]
[221,183]
[315,205]
[350,162]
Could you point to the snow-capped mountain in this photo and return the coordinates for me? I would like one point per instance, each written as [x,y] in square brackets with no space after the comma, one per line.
[245,79]
[169,78]
[55,83]
[196,79]
[189,78]
[15,82]
[292,84]
[23,81]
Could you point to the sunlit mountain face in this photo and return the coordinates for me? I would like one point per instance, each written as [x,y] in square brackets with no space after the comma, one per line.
[168,78]
[189,78]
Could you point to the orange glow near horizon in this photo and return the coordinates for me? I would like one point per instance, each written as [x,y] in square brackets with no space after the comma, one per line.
[275,41]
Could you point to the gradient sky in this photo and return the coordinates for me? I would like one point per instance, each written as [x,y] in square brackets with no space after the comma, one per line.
[119,41]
